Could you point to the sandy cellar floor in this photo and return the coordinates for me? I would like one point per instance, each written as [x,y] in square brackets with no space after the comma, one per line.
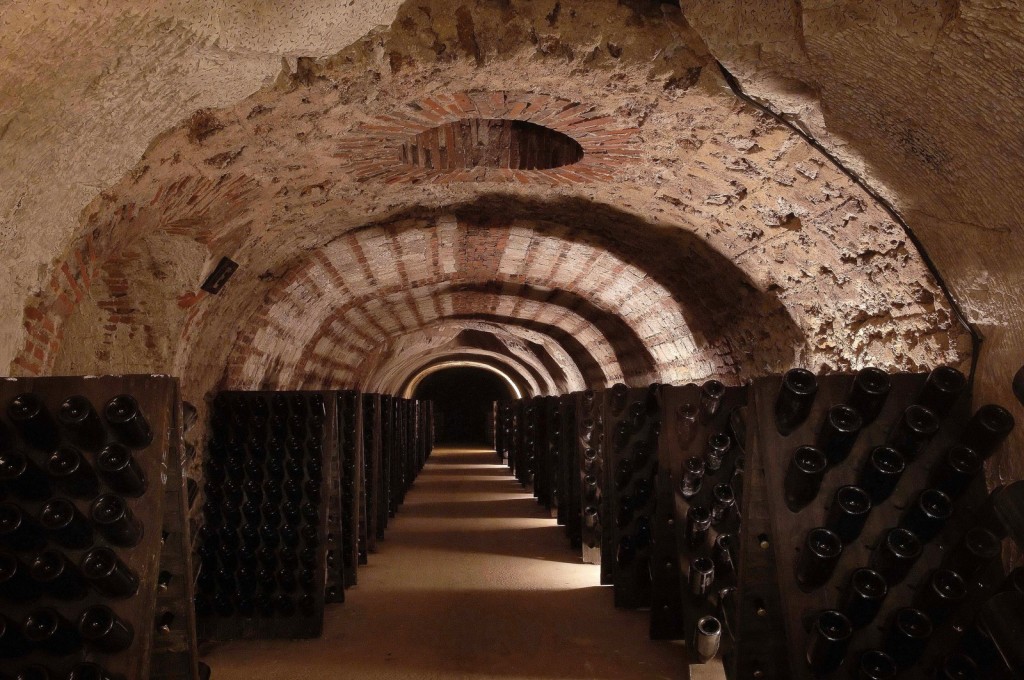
[472,581]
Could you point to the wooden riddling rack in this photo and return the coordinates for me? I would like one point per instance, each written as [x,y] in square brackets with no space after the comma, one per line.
[373,472]
[159,613]
[631,425]
[691,416]
[769,600]
[387,444]
[569,512]
[591,443]
[353,483]
[282,442]
[368,447]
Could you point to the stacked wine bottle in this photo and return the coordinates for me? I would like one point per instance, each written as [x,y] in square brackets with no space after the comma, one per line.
[263,547]
[632,424]
[885,545]
[81,523]
[591,445]
[697,529]
[375,510]
[569,496]
[350,446]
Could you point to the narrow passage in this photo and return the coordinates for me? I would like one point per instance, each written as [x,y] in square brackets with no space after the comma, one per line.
[472,581]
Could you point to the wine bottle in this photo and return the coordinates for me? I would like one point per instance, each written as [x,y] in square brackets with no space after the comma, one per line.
[942,594]
[22,476]
[707,638]
[29,415]
[895,555]
[222,605]
[226,582]
[16,585]
[251,511]
[698,524]
[92,671]
[928,514]
[620,393]
[83,425]
[286,581]
[253,492]
[129,424]
[307,605]
[848,513]
[957,667]
[108,574]
[267,557]
[874,664]
[908,635]
[717,448]
[828,641]
[72,473]
[290,559]
[115,521]
[979,548]
[18,531]
[955,471]
[915,429]
[987,429]
[120,471]
[803,477]
[104,631]
[693,476]
[818,558]
[839,433]
[284,605]
[793,403]
[254,472]
[870,389]
[58,576]
[65,525]
[227,557]
[34,671]
[702,576]
[1014,582]
[881,472]
[48,630]
[12,643]
[623,473]
[722,504]
[863,597]
[942,389]
[269,536]
[711,394]
[723,554]
[264,605]
[310,513]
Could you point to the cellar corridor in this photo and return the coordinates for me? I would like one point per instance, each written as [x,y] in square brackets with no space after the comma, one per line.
[472,581]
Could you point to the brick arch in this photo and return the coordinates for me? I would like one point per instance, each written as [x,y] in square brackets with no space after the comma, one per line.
[370,326]
[394,260]
[556,370]
[411,367]
[596,358]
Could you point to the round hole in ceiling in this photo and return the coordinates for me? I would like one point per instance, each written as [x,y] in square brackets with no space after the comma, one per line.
[491,143]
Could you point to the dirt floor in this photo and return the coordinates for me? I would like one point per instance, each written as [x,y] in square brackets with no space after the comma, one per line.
[472,581]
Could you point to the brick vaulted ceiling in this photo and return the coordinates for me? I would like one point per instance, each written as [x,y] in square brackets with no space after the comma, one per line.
[695,236]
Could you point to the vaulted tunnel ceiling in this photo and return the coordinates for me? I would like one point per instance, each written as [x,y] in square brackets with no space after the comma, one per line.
[696,236]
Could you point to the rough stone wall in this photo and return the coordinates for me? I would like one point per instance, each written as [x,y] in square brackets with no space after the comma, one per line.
[698,236]
[925,101]
[87,86]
